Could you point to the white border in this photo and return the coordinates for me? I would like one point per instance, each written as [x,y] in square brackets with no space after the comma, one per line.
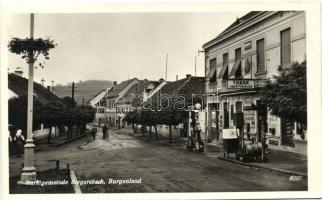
[313,18]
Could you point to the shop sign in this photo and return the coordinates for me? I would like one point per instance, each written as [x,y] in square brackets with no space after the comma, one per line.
[249,117]
[241,84]
[273,142]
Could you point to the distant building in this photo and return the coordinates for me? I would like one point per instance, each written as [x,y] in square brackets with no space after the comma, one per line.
[180,94]
[237,63]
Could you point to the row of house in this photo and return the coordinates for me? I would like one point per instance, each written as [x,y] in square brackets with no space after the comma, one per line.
[238,62]
[135,94]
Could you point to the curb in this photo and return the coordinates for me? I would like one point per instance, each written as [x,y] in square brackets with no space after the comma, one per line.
[263,167]
[74,180]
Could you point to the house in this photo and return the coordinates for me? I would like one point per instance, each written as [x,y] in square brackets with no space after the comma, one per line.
[98,100]
[125,97]
[18,87]
[178,96]
[237,64]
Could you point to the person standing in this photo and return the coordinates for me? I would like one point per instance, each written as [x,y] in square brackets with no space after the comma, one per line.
[104,131]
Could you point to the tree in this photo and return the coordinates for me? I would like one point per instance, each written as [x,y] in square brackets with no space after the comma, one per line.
[30,48]
[53,114]
[18,113]
[286,96]
[69,101]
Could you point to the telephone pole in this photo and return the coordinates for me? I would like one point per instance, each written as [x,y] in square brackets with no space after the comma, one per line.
[73,91]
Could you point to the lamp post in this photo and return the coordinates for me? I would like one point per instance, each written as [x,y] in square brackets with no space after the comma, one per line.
[29,171]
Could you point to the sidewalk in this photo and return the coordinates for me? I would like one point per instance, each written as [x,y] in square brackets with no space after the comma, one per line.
[277,160]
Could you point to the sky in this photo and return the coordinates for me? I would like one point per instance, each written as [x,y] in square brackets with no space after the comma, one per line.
[118,46]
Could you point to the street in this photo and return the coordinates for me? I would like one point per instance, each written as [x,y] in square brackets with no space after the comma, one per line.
[160,167]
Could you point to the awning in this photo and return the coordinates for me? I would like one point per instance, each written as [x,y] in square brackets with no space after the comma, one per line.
[223,70]
[211,72]
[235,68]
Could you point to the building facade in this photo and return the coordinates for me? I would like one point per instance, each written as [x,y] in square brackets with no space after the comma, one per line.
[239,61]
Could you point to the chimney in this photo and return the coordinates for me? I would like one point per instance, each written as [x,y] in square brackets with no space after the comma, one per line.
[19,72]
[177,77]
[115,83]
[188,75]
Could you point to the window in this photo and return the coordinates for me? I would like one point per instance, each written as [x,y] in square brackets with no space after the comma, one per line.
[236,70]
[225,66]
[285,46]
[224,70]
[260,53]
[239,106]
[213,71]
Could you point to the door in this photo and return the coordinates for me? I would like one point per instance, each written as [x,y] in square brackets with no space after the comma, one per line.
[226,115]
[261,120]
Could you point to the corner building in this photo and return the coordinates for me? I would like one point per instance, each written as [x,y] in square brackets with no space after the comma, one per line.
[239,61]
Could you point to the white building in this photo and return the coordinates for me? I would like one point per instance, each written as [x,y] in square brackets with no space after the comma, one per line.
[239,60]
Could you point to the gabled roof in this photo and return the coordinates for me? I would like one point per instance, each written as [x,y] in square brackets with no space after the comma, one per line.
[240,22]
[116,89]
[98,97]
[186,86]
[19,86]
[136,89]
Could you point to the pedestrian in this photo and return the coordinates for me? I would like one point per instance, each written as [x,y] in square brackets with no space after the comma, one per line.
[94,130]
[19,141]
[104,131]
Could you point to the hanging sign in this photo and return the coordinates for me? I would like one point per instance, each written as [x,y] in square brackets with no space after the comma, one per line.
[241,84]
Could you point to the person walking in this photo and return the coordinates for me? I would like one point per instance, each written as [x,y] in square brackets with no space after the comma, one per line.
[104,131]
[94,130]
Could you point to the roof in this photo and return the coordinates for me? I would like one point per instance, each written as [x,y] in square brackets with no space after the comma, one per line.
[186,86]
[236,24]
[189,88]
[101,94]
[136,89]
[19,85]
[116,89]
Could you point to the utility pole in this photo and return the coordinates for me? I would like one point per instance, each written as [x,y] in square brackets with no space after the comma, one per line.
[52,86]
[73,91]
[166,67]
[29,171]
[42,81]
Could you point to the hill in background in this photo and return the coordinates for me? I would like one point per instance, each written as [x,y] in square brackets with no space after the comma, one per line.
[83,89]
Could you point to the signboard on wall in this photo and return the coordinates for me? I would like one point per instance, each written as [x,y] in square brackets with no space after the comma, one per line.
[249,117]
[241,84]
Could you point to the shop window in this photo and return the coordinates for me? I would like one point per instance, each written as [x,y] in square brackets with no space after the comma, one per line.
[260,55]
[239,106]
